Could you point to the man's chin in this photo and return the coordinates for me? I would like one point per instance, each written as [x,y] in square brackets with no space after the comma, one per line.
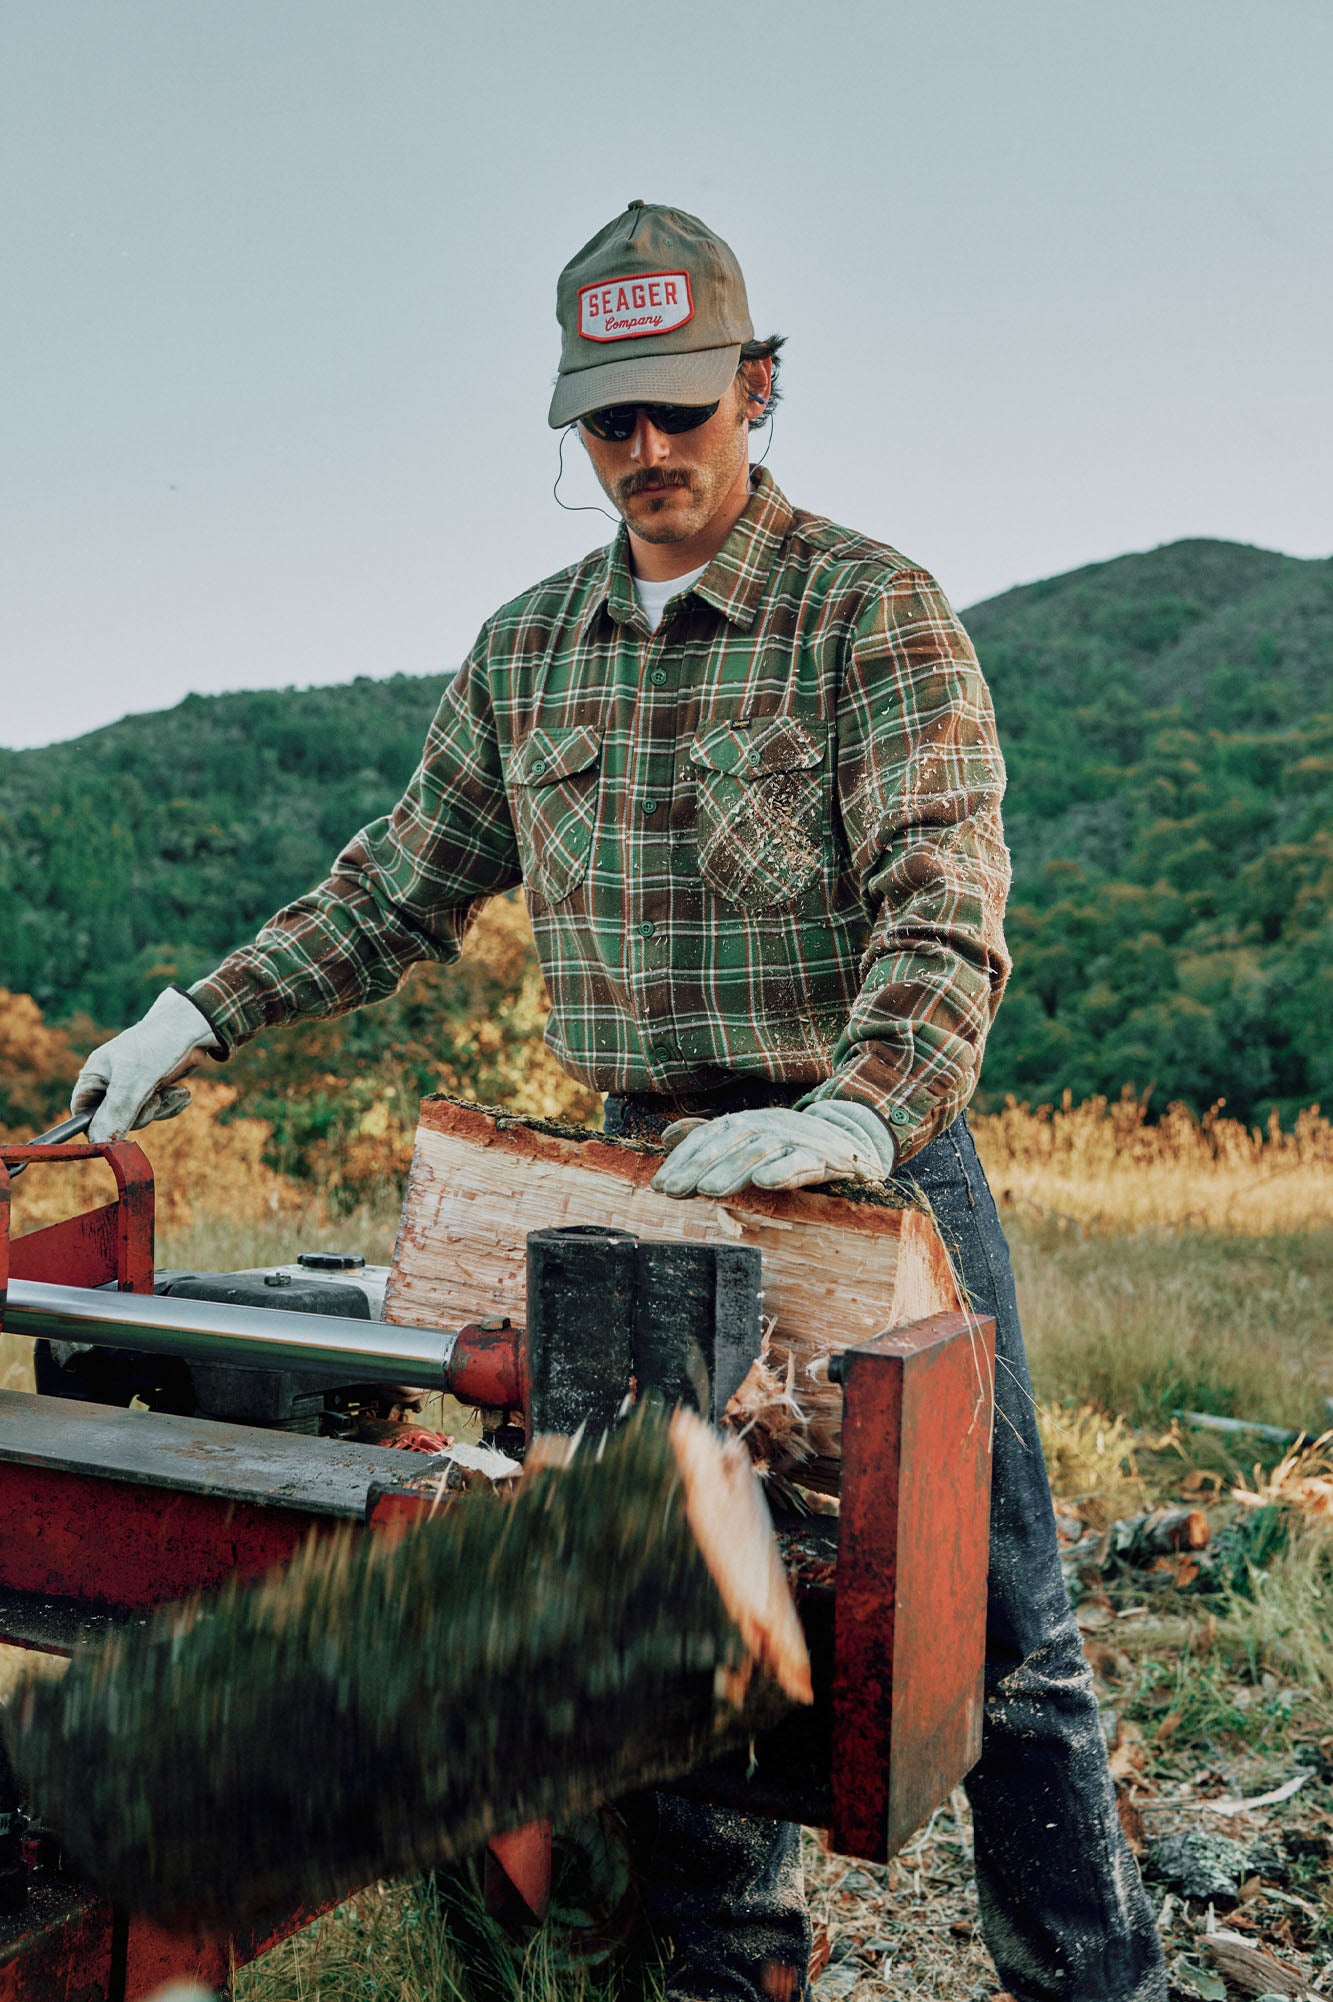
[664,514]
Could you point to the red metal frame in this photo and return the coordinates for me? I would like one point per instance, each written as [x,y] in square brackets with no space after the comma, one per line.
[129,1547]
[87,1952]
[115,1242]
[910,1602]
[150,1547]
[153,1545]
[908,1612]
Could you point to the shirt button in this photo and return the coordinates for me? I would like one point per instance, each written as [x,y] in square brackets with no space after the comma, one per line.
[650,806]
[647,928]
[538,767]
[663,1052]
[900,1116]
[658,677]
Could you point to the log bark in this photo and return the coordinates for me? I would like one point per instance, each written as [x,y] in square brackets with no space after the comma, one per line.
[388,1703]
[841,1264]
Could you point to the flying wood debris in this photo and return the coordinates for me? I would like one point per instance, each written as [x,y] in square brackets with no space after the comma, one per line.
[386,1703]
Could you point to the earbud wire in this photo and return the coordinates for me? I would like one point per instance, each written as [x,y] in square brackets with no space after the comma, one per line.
[571,508]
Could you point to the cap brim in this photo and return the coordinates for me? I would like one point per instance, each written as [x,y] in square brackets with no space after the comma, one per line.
[700,377]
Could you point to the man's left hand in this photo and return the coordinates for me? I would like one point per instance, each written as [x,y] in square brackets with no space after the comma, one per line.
[775,1148]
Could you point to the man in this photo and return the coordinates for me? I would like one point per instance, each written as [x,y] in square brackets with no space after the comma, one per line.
[745,765]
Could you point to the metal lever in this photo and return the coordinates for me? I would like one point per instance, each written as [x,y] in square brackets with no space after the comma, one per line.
[68,1129]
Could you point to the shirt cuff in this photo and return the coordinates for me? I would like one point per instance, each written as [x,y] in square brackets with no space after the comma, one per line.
[230,1012]
[223,1050]
[911,1122]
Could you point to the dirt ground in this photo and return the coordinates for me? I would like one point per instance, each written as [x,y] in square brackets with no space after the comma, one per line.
[911,1929]
[908,1928]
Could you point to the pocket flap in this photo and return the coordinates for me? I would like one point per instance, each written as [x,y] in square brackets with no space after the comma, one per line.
[547,755]
[748,750]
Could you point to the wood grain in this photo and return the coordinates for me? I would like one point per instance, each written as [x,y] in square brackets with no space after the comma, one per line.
[838,1268]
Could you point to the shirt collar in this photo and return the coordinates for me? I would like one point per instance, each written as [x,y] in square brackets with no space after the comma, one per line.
[734,581]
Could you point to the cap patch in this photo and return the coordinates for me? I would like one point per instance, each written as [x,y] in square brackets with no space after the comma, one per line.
[630,309]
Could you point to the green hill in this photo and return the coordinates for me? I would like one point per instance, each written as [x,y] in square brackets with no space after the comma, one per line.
[143,852]
[1168,721]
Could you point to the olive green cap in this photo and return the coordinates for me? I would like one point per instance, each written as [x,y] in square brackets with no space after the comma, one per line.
[652,310]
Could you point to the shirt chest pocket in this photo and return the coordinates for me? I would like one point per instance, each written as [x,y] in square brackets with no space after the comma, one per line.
[553,785]
[762,828]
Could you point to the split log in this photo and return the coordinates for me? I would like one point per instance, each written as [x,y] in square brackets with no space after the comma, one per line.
[1162,1532]
[841,1265]
[386,1703]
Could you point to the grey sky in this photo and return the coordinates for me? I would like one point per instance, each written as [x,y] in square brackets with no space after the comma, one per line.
[278,282]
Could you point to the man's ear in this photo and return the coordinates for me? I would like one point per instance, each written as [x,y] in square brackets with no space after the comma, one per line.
[756,386]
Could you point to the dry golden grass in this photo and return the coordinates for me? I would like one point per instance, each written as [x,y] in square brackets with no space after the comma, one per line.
[200,1167]
[1301,1481]
[1103,1167]
[1288,1624]
[1091,1459]
[1145,1324]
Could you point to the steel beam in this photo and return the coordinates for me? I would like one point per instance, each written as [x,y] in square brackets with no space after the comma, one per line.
[219,1332]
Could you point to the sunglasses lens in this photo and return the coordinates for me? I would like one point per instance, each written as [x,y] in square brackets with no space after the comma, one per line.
[675,417]
[614,424]
[617,421]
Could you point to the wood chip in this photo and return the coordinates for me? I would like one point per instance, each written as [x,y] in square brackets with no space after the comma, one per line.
[1233,1804]
[1249,1968]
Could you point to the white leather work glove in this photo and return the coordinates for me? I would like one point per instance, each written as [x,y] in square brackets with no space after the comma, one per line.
[776,1148]
[132,1079]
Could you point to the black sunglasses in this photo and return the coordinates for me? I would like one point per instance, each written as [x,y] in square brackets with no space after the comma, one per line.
[619,420]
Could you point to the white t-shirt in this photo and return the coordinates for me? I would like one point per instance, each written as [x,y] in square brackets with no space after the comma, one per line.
[653,597]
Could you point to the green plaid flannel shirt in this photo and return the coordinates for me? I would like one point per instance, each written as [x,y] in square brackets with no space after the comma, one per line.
[764,840]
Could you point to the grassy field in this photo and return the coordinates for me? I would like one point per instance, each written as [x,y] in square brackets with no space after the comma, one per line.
[1188,1271]
[1148,1323]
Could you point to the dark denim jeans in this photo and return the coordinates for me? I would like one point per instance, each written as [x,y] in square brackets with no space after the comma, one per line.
[1062,1907]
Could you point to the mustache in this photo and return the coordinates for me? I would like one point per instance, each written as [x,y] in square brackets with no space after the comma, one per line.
[652,480]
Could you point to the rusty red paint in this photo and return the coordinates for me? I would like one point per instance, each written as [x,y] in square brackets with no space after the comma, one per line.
[155,1956]
[518,1866]
[135,1254]
[393,1510]
[66,1952]
[82,1249]
[114,1242]
[113,1543]
[489,1368]
[910,1605]
[62,1953]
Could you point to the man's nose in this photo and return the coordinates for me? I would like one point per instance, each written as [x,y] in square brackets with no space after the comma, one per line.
[648,445]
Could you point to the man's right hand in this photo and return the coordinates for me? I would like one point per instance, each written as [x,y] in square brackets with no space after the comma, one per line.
[132,1079]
